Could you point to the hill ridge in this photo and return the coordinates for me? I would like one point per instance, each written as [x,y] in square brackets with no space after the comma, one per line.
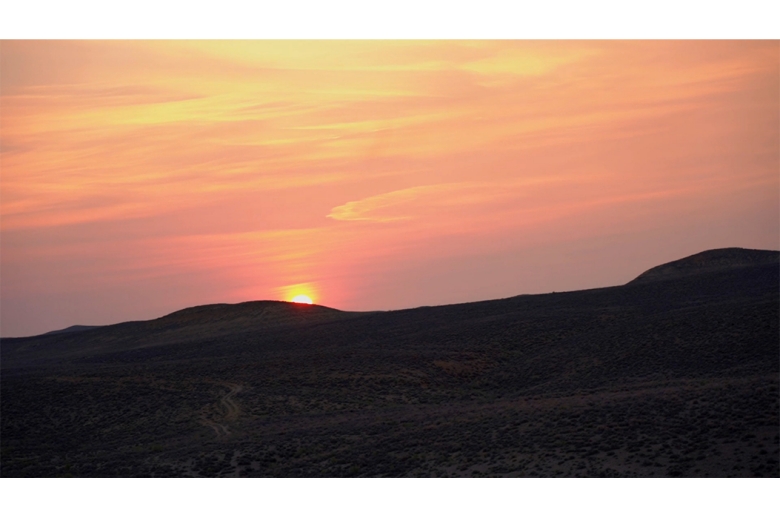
[276,312]
[708,261]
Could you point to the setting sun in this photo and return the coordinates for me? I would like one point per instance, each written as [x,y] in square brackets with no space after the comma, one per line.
[302,293]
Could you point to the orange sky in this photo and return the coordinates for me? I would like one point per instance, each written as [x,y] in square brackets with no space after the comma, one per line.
[141,177]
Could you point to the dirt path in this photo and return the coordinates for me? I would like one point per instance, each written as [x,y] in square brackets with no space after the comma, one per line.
[231,407]
[226,410]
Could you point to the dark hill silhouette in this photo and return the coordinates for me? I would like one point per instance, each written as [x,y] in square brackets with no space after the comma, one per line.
[676,375]
[72,329]
[709,261]
[195,323]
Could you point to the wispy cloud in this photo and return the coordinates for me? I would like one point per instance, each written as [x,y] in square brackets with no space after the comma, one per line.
[375,208]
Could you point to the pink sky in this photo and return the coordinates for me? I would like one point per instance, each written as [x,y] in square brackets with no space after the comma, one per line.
[142,177]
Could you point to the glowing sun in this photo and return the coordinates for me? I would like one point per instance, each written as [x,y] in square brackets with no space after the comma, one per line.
[302,299]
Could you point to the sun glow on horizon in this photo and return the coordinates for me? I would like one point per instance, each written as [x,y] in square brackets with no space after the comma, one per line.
[302,293]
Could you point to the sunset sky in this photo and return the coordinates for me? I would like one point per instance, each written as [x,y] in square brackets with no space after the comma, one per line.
[141,177]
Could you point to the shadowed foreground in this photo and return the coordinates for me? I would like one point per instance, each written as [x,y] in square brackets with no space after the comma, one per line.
[673,374]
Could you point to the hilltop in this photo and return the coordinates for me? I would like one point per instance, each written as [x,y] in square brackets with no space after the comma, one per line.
[709,261]
[71,329]
[196,323]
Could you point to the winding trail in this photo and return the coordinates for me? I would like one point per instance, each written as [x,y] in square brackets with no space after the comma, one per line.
[226,410]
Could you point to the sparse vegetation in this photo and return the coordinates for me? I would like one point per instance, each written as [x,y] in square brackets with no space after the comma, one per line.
[665,378]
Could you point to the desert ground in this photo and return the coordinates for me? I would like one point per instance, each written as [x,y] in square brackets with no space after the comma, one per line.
[675,374]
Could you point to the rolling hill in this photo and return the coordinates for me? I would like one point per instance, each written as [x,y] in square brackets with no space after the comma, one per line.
[709,261]
[672,374]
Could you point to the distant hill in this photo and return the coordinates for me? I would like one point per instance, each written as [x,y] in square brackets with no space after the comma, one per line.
[709,261]
[71,329]
[214,320]
[267,312]
[196,323]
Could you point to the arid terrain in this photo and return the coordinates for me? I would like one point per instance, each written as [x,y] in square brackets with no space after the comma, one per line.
[673,374]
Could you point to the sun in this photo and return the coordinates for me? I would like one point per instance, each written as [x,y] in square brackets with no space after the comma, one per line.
[302,292]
